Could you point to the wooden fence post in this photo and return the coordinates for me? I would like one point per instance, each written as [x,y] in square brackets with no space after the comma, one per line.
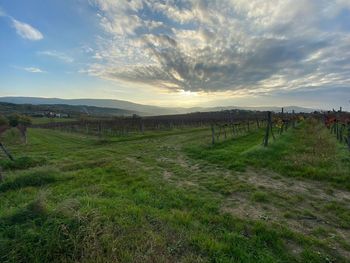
[282,127]
[218,134]
[337,129]
[268,127]
[341,133]
[271,130]
[142,127]
[348,135]
[212,134]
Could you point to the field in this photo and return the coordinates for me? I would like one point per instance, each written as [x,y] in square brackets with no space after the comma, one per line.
[171,196]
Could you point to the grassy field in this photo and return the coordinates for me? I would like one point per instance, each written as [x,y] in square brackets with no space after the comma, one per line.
[173,197]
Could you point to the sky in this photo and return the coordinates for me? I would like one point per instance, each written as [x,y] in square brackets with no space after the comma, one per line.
[179,53]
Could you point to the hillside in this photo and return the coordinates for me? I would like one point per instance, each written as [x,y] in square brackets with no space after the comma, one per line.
[72,111]
[141,109]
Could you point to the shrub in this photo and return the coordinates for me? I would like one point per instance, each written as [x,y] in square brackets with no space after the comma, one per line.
[3,121]
[16,119]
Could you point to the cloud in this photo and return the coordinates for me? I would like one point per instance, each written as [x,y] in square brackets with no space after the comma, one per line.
[257,46]
[34,70]
[2,12]
[58,55]
[26,31]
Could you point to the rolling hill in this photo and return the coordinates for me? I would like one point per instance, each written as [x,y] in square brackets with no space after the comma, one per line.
[130,107]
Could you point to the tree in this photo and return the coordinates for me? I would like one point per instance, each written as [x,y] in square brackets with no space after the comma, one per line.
[13,119]
[16,119]
[3,127]
[21,122]
[3,124]
[3,121]
[25,120]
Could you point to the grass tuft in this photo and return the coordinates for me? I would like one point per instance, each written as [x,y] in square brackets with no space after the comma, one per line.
[21,163]
[35,178]
[261,197]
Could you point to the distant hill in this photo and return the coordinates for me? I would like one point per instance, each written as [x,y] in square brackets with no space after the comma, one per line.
[74,111]
[130,107]
[104,103]
[296,109]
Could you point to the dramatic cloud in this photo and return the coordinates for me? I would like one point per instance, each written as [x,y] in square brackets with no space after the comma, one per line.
[26,31]
[58,55]
[257,46]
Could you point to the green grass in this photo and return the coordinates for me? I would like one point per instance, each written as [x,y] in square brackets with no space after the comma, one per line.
[308,151]
[260,197]
[143,199]
[230,153]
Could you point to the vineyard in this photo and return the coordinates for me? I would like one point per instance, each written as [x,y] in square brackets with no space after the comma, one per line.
[339,125]
[137,125]
[204,187]
[223,125]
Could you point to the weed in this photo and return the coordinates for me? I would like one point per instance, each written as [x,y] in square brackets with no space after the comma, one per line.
[259,196]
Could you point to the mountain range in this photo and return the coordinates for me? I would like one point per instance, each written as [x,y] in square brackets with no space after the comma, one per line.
[144,110]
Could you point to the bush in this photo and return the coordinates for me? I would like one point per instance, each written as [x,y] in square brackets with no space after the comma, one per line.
[16,119]
[3,121]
